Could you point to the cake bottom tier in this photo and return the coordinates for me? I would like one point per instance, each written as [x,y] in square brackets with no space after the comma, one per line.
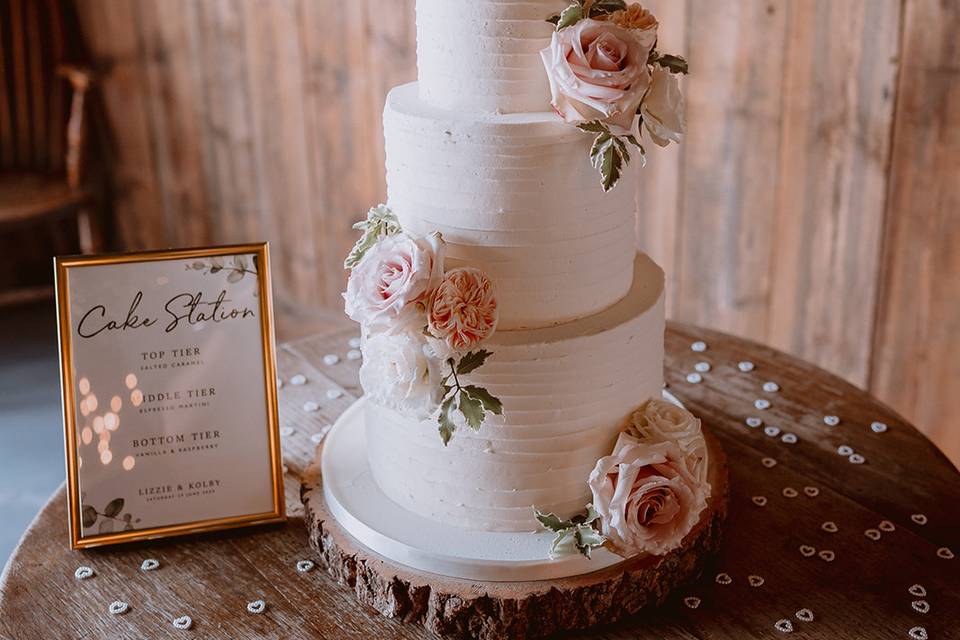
[566,391]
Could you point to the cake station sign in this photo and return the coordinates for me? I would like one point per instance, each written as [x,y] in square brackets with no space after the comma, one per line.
[169,393]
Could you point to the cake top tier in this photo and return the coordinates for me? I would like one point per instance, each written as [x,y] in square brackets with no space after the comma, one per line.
[484,55]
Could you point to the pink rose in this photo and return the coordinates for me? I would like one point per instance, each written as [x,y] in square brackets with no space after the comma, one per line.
[647,497]
[464,309]
[598,71]
[391,283]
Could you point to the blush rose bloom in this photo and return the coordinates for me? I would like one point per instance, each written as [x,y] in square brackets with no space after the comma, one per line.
[647,497]
[663,107]
[463,311]
[598,71]
[404,371]
[393,278]
[661,421]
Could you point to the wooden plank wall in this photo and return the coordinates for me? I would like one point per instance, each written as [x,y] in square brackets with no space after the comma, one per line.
[814,206]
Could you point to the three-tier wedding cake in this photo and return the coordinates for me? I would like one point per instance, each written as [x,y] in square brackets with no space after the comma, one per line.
[512,335]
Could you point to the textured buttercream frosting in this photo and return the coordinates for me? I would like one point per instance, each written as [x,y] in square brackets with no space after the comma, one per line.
[483,55]
[516,196]
[566,390]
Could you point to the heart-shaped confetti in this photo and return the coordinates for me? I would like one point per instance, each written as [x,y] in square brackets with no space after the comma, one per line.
[702,367]
[317,437]
[769,463]
[827,555]
[699,346]
[886,525]
[917,590]
[82,573]
[920,606]
[804,615]
[760,501]
[856,458]
[745,365]
[878,427]
[694,378]
[354,354]
[811,492]
[753,422]
[831,421]
[303,566]
[772,431]
[755,581]
[873,534]
[945,553]
[918,633]
[723,578]
[692,602]
[183,623]
[118,607]
[298,380]
[771,387]
[845,450]
[762,404]
[333,394]
[310,406]
[830,526]
[789,438]
[919,518]
[257,607]
[783,626]
[790,492]
[806,550]
[331,359]
[149,565]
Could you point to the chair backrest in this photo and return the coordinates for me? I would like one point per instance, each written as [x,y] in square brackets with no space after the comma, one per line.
[34,100]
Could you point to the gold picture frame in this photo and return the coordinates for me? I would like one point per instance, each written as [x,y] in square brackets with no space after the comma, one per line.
[63,267]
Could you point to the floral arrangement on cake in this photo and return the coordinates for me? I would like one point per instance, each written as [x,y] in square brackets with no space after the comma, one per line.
[607,77]
[422,325]
[648,494]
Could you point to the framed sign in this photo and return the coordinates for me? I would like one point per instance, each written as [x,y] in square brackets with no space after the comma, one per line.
[169,393]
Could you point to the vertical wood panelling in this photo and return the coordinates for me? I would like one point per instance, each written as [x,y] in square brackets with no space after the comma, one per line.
[916,355]
[839,78]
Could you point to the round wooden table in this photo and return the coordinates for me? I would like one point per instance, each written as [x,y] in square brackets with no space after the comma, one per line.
[863,545]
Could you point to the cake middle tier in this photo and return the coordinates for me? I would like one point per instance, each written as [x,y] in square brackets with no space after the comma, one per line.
[566,392]
[516,196]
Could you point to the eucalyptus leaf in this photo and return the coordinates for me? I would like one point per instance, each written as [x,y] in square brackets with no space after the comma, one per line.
[447,427]
[88,516]
[113,508]
[570,16]
[675,64]
[472,410]
[489,401]
[235,276]
[106,526]
[472,361]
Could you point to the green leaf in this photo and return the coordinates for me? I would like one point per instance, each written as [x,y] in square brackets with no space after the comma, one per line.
[570,16]
[610,167]
[632,139]
[380,222]
[488,400]
[447,427]
[551,520]
[592,515]
[605,7]
[675,64]
[587,539]
[593,126]
[114,508]
[472,410]
[597,149]
[88,516]
[472,361]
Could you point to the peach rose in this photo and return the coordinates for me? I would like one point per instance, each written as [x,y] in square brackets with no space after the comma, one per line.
[393,278]
[635,16]
[598,71]
[647,497]
[464,309]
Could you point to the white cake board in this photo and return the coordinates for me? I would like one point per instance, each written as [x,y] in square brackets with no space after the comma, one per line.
[374,520]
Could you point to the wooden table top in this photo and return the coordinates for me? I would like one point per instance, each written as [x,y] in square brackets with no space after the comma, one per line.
[905,494]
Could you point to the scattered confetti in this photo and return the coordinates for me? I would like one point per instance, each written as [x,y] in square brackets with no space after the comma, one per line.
[827,555]
[811,492]
[762,404]
[918,633]
[286,431]
[878,427]
[753,422]
[845,450]
[919,518]
[699,346]
[354,354]
[354,343]
[856,458]
[694,378]
[790,492]
[82,573]
[772,431]
[917,590]
[317,437]
[760,501]
[920,606]
[257,607]
[783,626]
[310,406]
[333,394]
[331,359]
[769,463]
[873,534]
[692,602]
[723,578]
[303,566]
[702,367]
[806,550]
[745,365]
[886,525]
[149,565]
[771,387]
[755,581]
[831,421]
[298,380]
[830,526]
[945,553]
[789,438]
[118,608]
[804,615]
[183,623]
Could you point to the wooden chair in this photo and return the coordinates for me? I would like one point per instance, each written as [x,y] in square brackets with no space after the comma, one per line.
[42,125]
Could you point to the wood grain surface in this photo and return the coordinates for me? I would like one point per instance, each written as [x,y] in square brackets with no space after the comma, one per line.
[862,593]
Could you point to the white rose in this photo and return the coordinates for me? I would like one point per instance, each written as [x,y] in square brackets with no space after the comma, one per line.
[598,71]
[662,108]
[404,370]
[392,283]
[661,421]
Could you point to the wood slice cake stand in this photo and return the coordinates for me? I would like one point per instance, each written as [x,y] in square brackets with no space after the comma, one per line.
[451,606]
